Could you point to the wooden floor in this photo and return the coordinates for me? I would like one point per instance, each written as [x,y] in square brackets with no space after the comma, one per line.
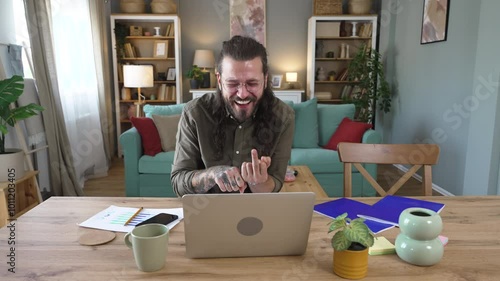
[114,183]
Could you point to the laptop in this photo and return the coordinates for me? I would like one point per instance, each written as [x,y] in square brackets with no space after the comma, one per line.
[247,225]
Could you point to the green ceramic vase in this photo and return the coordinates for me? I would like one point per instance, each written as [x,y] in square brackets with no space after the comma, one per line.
[418,242]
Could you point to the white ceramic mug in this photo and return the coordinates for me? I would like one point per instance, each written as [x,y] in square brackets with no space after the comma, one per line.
[149,243]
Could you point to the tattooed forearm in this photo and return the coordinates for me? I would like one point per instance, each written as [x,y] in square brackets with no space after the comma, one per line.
[204,180]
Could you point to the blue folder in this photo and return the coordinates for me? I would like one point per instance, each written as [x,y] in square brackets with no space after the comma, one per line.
[353,208]
[388,209]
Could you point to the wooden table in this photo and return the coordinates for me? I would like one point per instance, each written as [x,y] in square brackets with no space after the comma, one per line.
[47,247]
[305,181]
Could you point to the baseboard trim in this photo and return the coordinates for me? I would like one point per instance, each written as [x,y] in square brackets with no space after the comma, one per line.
[435,187]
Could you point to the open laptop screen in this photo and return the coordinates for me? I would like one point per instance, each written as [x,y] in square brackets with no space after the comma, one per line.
[247,225]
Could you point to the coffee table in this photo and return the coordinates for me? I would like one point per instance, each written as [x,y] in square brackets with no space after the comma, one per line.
[304,181]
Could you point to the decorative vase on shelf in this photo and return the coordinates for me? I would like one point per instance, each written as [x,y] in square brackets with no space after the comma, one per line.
[320,74]
[418,243]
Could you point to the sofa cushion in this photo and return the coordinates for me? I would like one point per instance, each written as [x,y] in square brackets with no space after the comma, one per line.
[329,118]
[161,163]
[167,128]
[348,131]
[306,124]
[174,109]
[319,160]
[150,138]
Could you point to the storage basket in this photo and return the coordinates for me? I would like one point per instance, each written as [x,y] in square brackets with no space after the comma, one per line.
[163,7]
[327,7]
[132,6]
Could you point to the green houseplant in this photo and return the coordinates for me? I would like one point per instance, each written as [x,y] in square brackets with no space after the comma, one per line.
[196,76]
[10,90]
[367,69]
[350,243]
[12,160]
[121,32]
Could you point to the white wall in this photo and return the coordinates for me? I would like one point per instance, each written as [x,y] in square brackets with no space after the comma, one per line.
[434,87]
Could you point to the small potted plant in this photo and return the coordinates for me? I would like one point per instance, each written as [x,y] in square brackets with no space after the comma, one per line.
[350,244]
[196,76]
[10,90]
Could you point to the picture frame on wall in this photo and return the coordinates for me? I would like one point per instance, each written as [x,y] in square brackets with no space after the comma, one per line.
[171,74]
[435,21]
[248,18]
[276,81]
[160,49]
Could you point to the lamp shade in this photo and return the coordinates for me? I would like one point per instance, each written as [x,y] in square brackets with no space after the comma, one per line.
[204,59]
[291,77]
[138,76]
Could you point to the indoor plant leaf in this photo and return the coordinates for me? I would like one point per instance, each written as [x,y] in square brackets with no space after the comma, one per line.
[10,90]
[340,242]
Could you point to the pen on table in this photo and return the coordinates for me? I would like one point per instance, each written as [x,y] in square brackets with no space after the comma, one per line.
[133,216]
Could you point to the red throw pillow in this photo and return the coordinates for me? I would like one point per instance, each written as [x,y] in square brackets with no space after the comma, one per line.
[151,142]
[347,131]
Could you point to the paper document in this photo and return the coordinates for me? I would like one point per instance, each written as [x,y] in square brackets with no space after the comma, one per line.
[113,218]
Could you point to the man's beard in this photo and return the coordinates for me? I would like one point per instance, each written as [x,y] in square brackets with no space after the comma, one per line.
[242,114]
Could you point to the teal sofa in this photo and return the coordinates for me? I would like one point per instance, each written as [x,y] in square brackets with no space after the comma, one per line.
[149,176]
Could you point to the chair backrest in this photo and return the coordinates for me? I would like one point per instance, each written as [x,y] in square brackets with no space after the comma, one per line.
[418,155]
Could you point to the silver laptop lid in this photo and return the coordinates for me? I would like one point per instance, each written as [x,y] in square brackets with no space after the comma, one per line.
[246,225]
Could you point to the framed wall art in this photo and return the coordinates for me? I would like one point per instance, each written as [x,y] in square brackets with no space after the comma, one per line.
[171,74]
[276,81]
[160,49]
[435,21]
[248,18]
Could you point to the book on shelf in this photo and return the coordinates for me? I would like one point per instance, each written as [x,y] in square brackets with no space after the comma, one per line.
[170,93]
[170,30]
[161,92]
[346,91]
[342,75]
[129,50]
[367,30]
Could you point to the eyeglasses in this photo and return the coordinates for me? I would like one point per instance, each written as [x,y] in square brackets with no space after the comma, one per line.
[233,87]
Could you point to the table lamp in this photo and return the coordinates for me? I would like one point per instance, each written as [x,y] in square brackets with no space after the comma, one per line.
[291,78]
[204,59]
[138,76]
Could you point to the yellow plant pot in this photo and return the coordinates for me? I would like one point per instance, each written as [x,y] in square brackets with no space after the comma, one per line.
[350,264]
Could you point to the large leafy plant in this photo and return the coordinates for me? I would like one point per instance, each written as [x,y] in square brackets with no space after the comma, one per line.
[367,69]
[349,233]
[10,90]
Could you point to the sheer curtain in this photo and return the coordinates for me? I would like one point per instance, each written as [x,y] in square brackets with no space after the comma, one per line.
[78,86]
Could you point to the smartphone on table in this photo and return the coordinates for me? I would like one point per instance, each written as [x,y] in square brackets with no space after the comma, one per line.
[162,218]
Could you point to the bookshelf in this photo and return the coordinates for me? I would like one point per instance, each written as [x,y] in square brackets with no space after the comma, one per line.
[163,51]
[326,37]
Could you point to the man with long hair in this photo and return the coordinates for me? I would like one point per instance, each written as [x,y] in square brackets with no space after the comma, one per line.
[238,139]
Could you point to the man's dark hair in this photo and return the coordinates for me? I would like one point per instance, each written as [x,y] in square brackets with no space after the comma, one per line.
[266,122]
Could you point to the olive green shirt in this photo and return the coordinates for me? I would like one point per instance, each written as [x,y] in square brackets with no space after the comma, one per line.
[195,149]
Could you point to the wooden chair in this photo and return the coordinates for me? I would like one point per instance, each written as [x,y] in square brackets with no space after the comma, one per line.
[417,155]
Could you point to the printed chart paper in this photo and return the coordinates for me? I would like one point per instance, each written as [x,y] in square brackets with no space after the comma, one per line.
[113,218]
